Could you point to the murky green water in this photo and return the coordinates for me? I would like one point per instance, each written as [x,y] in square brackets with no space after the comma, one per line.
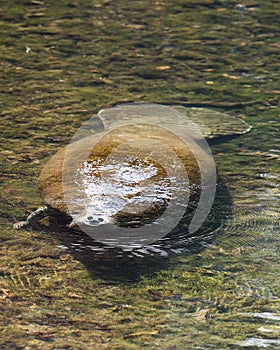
[63,61]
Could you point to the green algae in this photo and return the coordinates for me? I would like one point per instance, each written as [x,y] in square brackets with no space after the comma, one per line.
[61,63]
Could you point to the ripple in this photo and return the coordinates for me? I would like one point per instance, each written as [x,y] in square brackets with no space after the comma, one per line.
[253,225]
[179,241]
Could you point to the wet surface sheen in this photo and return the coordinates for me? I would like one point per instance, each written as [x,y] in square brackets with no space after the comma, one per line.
[63,61]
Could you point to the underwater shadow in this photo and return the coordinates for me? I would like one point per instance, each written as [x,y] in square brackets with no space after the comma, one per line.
[125,266]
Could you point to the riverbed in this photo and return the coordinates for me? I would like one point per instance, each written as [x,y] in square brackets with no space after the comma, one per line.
[61,62]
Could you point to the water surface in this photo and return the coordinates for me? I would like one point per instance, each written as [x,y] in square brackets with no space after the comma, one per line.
[63,61]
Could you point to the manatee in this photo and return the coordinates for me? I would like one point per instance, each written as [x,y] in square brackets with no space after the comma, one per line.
[134,165]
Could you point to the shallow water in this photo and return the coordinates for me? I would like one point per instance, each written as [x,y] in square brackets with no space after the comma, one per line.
[61,63]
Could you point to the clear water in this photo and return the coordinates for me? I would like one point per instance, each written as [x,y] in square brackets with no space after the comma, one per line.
[61,62]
